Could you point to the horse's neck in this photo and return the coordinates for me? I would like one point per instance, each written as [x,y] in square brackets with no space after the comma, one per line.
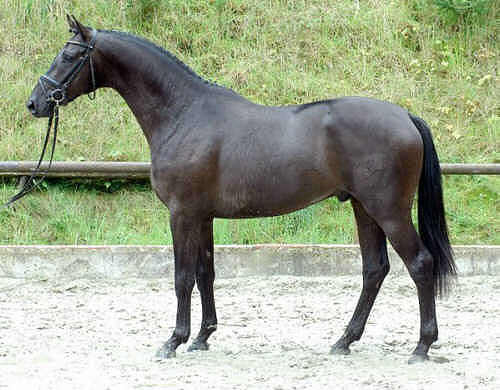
[155,87]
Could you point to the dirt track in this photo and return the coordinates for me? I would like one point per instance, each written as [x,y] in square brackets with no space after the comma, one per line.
[274,333]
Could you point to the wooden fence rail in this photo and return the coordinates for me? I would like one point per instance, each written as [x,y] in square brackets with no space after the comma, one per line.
[140,170]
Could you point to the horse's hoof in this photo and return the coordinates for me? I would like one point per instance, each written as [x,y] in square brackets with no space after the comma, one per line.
[339,350]
[418,358]
[198,346]
[165,353]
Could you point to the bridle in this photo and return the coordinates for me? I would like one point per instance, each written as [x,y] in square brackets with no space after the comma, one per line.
[56,96]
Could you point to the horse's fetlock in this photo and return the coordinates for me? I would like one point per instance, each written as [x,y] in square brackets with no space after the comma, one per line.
[429,334]
[211,327]
[182,336]
[354,333]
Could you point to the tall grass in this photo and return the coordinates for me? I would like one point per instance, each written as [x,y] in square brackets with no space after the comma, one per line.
[273,52]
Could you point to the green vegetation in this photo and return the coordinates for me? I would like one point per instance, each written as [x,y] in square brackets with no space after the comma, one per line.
[437,58]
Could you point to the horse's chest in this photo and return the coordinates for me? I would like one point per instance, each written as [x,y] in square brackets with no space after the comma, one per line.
[187,185]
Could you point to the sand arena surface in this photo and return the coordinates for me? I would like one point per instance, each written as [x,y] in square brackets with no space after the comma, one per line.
[274,333]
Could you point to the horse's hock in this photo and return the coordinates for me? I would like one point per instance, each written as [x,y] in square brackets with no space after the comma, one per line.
[39,262]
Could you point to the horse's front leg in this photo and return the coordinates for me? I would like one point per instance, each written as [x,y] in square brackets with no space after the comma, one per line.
[186,233]
[205,276]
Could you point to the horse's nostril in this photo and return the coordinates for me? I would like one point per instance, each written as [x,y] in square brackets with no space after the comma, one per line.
[31,105]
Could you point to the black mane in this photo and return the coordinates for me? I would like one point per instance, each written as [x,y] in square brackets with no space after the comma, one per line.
[160,50]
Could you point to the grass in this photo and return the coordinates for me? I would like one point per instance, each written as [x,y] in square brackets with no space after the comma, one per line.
[273,52]
[131,214]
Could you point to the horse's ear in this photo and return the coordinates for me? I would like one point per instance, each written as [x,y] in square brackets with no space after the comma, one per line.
[71,24]
[81,29]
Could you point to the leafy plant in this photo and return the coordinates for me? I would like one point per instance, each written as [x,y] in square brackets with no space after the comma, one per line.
[141,12]
[456,11]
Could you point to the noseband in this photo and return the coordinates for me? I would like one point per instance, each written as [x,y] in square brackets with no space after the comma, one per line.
[58,94]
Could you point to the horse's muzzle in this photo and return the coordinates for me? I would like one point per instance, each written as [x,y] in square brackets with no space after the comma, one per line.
[30,105]
[39,110]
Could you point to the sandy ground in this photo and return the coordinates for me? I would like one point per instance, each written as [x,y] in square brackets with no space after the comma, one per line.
[274,333]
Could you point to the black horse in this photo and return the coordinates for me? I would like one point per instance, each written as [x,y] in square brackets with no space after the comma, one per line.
[215,154]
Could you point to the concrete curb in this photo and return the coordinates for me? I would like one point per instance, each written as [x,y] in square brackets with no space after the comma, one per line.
[41,262]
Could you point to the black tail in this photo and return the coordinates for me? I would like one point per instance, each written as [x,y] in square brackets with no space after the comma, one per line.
[431,216]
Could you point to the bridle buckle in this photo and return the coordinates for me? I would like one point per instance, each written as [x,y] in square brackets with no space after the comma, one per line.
[57,96]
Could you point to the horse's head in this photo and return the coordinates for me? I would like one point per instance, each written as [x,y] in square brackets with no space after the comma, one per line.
[70,75]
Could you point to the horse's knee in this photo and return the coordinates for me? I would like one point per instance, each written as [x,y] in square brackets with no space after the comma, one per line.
[181,334]
[205,274]
[205,277]
[184,283]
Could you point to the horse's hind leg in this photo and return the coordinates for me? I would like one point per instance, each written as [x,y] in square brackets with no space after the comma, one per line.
[419,263]
[372,241]
[205,276]
[396,222]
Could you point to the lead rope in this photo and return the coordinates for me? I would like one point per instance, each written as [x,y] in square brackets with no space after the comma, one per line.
[31,183]
[91,95]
